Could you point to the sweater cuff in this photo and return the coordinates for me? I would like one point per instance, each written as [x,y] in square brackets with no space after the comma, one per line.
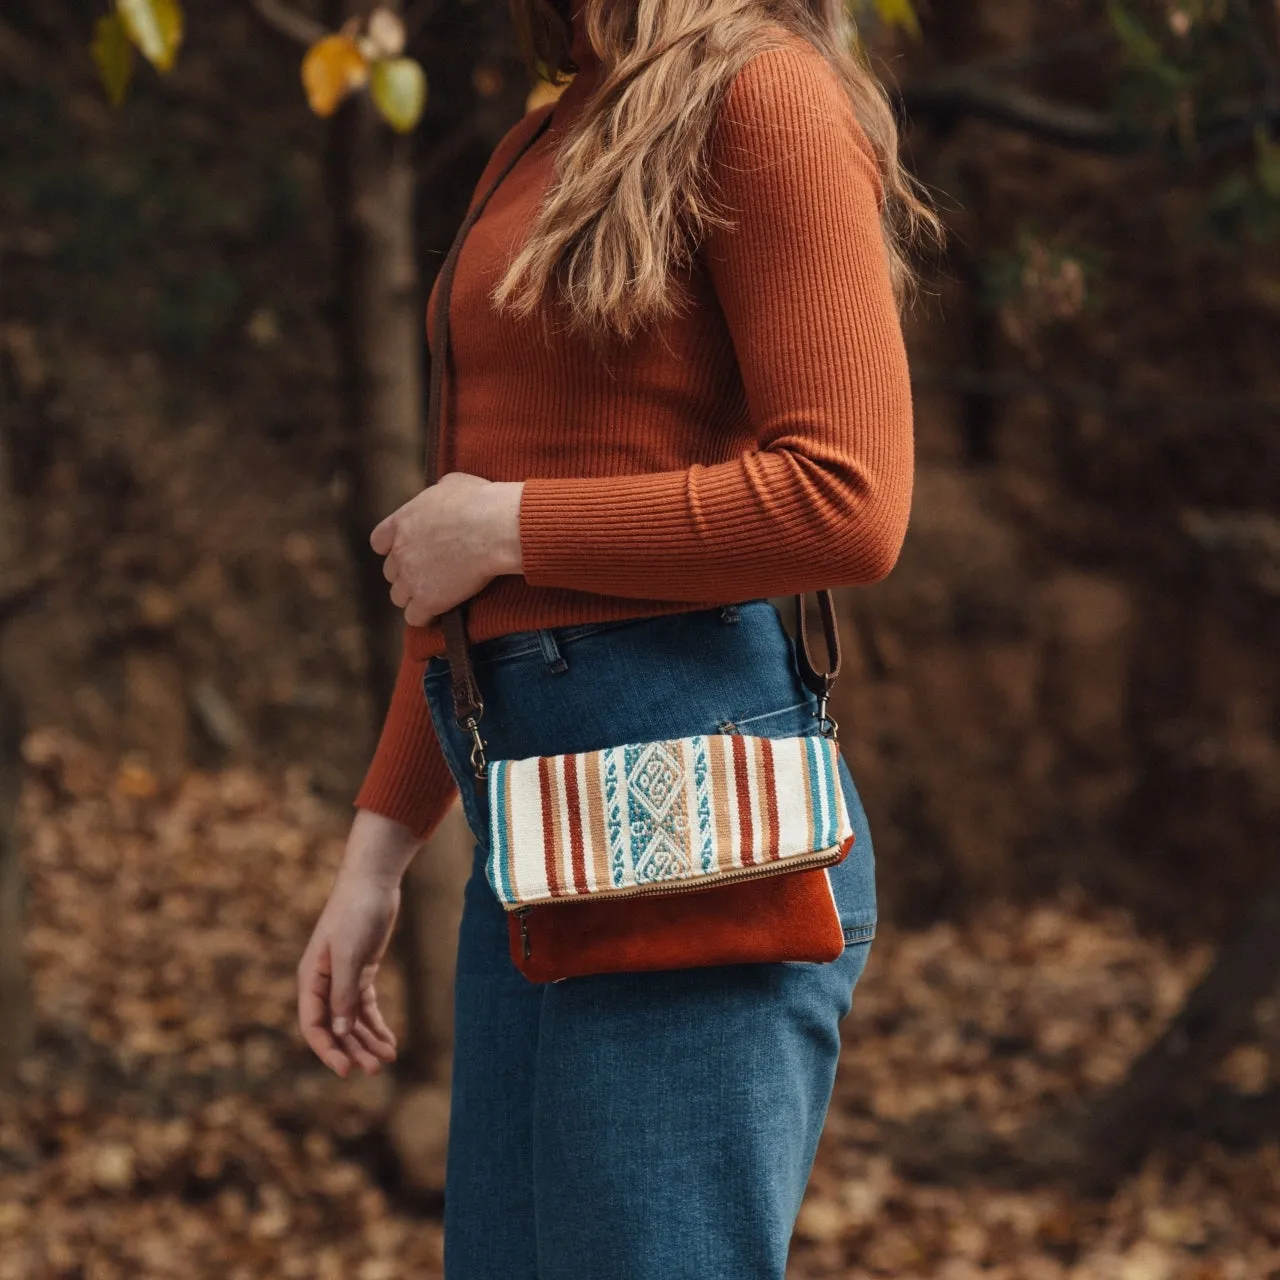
[408,779]
[585,533]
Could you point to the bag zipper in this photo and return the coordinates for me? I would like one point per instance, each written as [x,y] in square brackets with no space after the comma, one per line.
[822,858]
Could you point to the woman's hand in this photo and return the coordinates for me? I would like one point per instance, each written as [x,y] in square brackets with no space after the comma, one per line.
[337,1000]
[448,542]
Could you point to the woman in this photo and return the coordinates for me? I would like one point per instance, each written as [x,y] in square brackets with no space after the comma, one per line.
[678,386]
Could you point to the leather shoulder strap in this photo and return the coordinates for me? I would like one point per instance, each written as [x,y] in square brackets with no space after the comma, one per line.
[440,356]
[468,705]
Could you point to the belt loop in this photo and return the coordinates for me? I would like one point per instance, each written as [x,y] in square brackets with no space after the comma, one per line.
[551,651]
[729,613]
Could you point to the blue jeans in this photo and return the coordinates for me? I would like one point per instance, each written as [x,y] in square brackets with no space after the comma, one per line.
[642,1126]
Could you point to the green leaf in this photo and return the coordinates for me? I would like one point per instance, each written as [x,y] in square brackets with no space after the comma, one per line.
[1143,49]
[399,90]
[898,13]
[155,26]
[113,56]
[1141,46]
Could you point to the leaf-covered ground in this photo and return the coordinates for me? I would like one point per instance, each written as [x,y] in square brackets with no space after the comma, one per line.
[170,1123]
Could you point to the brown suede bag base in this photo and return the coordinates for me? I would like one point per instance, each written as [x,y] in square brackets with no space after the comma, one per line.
[768,919]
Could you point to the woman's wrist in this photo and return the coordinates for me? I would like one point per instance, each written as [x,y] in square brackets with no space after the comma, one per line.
[505,526]
[379,849]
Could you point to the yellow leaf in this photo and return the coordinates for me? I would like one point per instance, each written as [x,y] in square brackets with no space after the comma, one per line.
[541,93]
[113,56]
[332,69]
[155,26]
[898,13]
[399,89]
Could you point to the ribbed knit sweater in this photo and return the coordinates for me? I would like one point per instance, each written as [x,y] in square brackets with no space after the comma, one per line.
[758,444]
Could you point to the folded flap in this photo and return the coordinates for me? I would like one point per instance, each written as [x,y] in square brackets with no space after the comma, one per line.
[649,816]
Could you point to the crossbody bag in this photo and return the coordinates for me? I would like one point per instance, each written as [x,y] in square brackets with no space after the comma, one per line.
[678,853]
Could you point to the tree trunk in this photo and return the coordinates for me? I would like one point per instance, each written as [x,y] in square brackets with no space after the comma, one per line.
[1121,1128]
[15,1004]
[381,326]
[15,1001]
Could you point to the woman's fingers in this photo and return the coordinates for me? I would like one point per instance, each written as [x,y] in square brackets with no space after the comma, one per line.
[416,614]
[354,1046]
[371,1014]
[380,1049]
[360,1044]
[383,537]
[344,993]
[313,1016]
[373,1040]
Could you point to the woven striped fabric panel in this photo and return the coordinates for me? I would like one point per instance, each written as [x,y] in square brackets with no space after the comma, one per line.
[655,813]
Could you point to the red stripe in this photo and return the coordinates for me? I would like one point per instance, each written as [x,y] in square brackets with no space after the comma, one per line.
[742,780]
[575,824]
[771,795]
[548,826]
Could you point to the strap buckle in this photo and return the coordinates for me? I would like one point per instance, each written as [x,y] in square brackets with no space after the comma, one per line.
[827,725]
[819,683]
[470,723]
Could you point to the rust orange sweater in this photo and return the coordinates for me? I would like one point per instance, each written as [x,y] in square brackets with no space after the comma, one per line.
[759,444]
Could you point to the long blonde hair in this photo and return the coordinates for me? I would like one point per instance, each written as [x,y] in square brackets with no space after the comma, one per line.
[630,198]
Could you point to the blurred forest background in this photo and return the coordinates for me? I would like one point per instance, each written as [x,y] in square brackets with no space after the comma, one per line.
[1062,708]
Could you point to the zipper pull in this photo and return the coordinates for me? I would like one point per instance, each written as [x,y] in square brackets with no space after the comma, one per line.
[523,913]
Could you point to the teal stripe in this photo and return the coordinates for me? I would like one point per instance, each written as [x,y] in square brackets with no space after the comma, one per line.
[499,877]
[613,817]
[832,782]
[701,774]
[639,828]
[815,789]
[837,792]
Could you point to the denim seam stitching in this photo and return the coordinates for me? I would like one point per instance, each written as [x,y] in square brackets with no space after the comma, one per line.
[480,660]
[764,715]
[859,933]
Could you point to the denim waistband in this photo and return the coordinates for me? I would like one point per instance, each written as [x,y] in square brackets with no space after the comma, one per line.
[547,640]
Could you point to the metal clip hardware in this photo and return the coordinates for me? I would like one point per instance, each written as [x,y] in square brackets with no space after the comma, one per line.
[827,725]
[478,764]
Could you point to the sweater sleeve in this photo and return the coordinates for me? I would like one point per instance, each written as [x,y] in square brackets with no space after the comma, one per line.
[802,279]
[408,779]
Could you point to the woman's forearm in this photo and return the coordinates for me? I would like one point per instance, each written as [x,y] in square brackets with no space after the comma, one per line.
[378,848]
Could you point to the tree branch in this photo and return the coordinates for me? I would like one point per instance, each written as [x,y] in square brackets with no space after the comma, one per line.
[1215,408]
[291,24]
[965,93]
[1016,61]
[970,92]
